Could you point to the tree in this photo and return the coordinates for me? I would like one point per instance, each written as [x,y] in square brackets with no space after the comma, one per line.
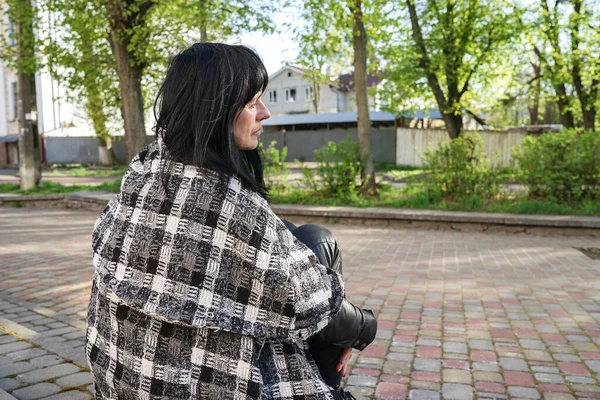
[22,58]
[78,55]
[569,34]
[350,21]
[323,50]
[143,33]
[359,43]
[451,46]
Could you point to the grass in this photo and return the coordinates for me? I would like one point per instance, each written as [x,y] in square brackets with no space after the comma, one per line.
[84,170]
[418,199]
[47,187]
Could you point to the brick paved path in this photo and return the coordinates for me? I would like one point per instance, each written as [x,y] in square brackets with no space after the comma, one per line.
[461,315]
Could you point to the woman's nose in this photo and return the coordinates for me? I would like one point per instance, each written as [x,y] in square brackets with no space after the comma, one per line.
[263,112]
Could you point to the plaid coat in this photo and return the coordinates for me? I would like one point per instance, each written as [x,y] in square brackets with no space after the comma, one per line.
[200,291]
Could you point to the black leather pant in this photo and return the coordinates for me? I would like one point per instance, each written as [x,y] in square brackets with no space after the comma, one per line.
[351,326]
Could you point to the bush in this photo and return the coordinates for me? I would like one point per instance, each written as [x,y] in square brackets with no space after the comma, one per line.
[276,169]
[338,167]
[562,167]
[460,169]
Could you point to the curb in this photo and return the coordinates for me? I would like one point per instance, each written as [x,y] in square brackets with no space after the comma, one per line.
[458,220]
[61,350]
[387,214]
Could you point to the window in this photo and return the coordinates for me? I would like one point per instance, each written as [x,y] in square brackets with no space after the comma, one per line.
[14,96]
[272,96]
[310,93]
[290,95]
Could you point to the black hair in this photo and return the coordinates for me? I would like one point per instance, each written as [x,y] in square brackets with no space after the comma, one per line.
[206,87]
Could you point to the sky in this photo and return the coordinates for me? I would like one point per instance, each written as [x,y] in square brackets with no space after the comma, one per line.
[275,49]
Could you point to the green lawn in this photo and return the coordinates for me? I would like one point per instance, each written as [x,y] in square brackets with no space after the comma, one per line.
[411,197]
[418,199]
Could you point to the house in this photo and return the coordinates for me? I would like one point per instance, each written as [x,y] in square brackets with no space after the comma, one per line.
[347,92]
[53,113]
[290,92]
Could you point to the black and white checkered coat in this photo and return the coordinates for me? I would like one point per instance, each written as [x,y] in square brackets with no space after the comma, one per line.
[200,291]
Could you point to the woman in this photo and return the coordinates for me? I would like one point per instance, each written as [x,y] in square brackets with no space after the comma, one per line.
[200,290]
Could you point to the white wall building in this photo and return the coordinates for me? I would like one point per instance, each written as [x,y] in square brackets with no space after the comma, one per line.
[289,92]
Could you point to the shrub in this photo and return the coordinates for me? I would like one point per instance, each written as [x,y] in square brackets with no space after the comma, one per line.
[338,167]
[460,169]
[276,169]
[562,167]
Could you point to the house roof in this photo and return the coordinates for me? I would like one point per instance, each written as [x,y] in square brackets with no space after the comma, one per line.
[9,139]
[344,117]
[294,68]
[325,118]
[346,81]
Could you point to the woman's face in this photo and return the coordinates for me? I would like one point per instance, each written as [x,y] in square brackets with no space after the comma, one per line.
[247,126]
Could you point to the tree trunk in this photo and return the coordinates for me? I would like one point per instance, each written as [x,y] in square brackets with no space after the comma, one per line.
[589,119]
[132,108]
[317,96]
[106,156]
[359,42]
[454,124]
[29,171]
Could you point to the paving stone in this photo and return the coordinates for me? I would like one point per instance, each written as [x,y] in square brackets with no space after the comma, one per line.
[557,396]
[15,368]
[27,354]
[532,344]
[580,379]
[425,385]
[4,339]
[566,357]
[361,392]
[400,357]
[70,395]
[420,394]
[523,392]
[537,355]
[453,391]
[10,384]
[489,367]
[46,361]
[55,371]
[12,347]
[594,365]
[429,342]
[456,376]
[549,378]
[487,376]
[545,370]
[391,391]
[481,344]
[81,335]
[396,367]
[455,347]
[357,380]
[490,396]
[513,364]
[37,391]
[427,364]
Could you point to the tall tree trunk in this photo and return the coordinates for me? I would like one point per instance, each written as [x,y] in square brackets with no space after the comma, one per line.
[359,42]
[317,96]
[566,115]
[124,19]
[132,107]
[28,169]
[454,124]
[589,118]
